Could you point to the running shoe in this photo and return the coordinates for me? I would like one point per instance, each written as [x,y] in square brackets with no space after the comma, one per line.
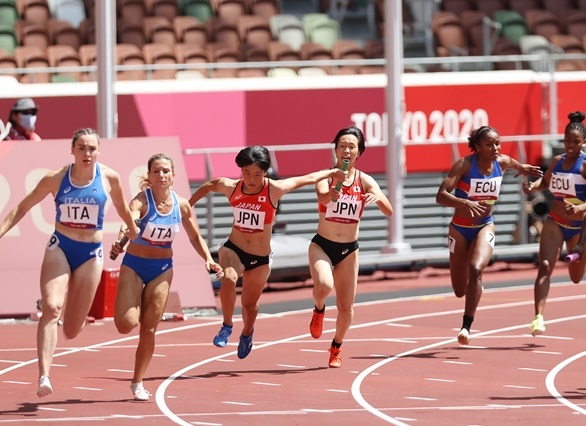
[464,336]
[245,345]
[537,326]
[45,387]
[221,339]
[139,392]
[335,357]
[317,323]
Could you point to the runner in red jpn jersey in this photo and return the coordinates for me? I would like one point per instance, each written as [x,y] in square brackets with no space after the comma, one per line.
[247,252]
[333,252]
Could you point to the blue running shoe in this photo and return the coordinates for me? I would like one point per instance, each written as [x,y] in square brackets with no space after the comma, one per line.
[221,339]
[245,345]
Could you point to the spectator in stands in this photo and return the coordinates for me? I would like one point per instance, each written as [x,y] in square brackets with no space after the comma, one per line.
[23,118]
[476,183]
[247,252]
[566,180]
[333,252]
[73,261]
[147,268]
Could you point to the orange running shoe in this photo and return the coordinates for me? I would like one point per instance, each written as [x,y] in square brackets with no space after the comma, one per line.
[317,324]
[335,357]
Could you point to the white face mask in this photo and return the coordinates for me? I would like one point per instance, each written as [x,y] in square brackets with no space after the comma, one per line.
[27,121]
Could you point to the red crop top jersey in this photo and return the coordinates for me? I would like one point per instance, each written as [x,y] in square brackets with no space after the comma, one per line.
[252,212]
[350,206]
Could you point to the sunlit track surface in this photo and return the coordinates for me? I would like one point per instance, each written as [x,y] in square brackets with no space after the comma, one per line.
[402,366]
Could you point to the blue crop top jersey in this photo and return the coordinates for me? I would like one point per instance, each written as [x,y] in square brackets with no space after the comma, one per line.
[476,186]
[81,206]
[157,229]
[568,185]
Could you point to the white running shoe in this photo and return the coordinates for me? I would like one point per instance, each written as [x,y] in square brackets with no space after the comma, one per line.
[464,337]
[537,326]
[139,392]
[45,387]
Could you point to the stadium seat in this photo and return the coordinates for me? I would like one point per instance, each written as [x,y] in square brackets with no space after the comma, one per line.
[166,8]
[131,11]
[8,40]
[311,51]
[279,51]
[569,44]
[311,72]
[513,25]
[32,57]
[253,53]
[187,54]
[456,6]
[288,29]
[200,9]
[34,11]
[255,31]
[282,72]
[574,22]
[189,75]
[449,35]
[557,6]
[229,10]
[131,33]
[504,46]
[474,22]
[489,6]
[160,54]
[309,19]
[158,29]
[129,54]
[72,11]
[533,44]
[7,62]
[325,32]
[190,30]
[8,13]
[63,33]
[64,56]
[223,32]
[522,6]
[30,34]
[348,49]
[543,22]
[263,8]
[87,31]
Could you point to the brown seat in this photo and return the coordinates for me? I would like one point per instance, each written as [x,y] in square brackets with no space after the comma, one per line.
[64,56]
[473,23]
[166,8]
[223,32]
[229,10]
[189,54]
[279,51]
[311,51]
[88,55]
[220,53]
[374,49]
[131,33]
[158,29]
[189,29]
[449,36]
[7,61]
[129,54]
[455,6]
[489,6]
[348,49]
[32,57]
[569,44]
[252,53]
[34,11]
[255,31]
[131,11]
[543,22]
[160,54]
[32,34]
[251,73]
[263,8]
[557,6]
[90,8]
[87,31]
[574,22]
[522,6]
[581,4]
[63,33]
[504,46]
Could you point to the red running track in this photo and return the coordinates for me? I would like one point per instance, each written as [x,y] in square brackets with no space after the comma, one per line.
[402,364]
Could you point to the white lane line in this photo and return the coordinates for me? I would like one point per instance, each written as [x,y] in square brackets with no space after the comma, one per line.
[550,383]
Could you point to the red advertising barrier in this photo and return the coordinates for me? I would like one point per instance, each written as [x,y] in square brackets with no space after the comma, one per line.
[22,164]
[105,300]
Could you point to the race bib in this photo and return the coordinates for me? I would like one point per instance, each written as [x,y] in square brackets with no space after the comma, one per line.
[79,215]
[248,220]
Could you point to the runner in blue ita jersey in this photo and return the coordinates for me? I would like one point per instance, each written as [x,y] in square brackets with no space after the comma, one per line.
[147,268]
[73,261]
[476,182]
[566,180]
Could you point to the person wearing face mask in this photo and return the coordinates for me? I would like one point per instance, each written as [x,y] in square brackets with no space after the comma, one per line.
[23,117]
